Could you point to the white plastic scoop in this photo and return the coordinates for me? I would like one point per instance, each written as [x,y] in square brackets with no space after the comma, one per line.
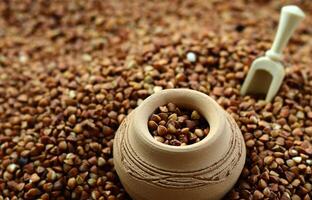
[267,73]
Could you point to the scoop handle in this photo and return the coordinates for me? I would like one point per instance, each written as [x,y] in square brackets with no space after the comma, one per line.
[290,17]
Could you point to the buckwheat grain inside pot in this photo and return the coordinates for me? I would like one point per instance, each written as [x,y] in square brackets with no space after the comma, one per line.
[177,126]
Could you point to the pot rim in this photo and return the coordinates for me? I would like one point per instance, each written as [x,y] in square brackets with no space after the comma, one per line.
[216,120]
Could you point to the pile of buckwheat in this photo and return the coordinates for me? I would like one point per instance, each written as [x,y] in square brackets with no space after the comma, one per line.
[177,126]
[71,71]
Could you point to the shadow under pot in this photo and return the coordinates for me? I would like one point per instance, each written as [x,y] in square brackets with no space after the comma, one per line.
[206,170]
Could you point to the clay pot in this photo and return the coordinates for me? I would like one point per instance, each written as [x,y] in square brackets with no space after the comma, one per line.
[150,170]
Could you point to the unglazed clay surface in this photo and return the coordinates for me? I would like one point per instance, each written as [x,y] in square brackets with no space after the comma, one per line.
[145,177]
[141,170]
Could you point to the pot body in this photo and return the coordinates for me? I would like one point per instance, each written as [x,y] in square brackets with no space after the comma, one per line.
[207,170]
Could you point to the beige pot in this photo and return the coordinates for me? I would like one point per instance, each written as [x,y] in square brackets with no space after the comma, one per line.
[207,170]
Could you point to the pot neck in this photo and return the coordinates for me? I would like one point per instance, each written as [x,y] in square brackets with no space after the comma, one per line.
[200,154]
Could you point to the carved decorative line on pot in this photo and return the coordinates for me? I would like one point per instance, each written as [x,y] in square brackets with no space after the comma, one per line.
[165,177]
[141,170]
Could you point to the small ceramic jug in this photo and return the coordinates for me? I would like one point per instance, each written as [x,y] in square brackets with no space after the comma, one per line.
[207,170]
